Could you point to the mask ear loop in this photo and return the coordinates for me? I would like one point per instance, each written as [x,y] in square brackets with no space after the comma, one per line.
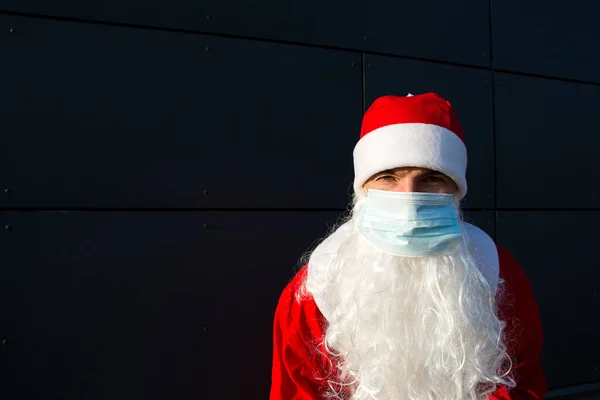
[459,211]
[361,194]
[358,206]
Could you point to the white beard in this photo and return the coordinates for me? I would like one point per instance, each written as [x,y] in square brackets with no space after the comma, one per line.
[404,328]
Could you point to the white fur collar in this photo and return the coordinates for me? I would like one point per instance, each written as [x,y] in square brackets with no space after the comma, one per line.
[483,247]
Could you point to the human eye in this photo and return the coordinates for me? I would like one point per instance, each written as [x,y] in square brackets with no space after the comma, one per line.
[435,179]
[384,178]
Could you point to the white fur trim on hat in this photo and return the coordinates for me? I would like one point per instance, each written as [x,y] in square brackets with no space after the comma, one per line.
[411,145]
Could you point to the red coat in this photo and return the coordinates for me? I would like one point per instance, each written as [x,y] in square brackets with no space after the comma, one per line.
[300,326]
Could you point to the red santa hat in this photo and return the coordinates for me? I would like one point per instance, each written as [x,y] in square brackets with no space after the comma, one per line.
[413,131]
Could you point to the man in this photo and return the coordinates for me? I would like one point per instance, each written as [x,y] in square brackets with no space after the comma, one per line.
[405,300]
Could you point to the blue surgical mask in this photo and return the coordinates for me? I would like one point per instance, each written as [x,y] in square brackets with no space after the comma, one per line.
[410,224]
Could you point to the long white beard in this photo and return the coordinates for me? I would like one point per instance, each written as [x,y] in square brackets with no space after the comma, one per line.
[405,328]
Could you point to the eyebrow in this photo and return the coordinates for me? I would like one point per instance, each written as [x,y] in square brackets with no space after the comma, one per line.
[425,173]
[430,173]
[387,171]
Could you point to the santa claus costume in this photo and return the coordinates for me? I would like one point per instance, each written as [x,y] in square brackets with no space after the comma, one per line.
[376,313]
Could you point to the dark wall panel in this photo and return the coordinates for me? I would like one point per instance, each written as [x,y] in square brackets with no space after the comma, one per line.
[122,305]
[137,305]
[469,90]
[99,116]
[552,38]
[546,143]
[558,251]
[485,220]
[582,392]
[452,31]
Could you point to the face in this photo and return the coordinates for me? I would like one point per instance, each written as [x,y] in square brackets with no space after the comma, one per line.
[411,179]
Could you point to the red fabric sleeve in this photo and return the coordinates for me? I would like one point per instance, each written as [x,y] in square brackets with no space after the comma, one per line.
[297,331]
[523,333]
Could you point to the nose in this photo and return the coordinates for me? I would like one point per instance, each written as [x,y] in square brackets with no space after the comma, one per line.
[406,184]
